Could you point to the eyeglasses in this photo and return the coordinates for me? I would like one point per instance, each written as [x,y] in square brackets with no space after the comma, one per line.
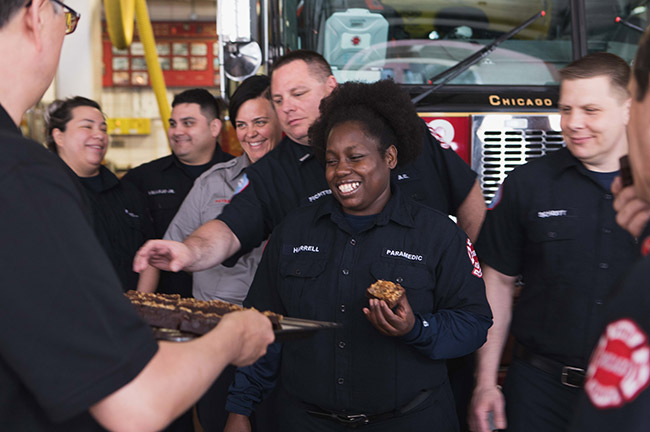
[72,17]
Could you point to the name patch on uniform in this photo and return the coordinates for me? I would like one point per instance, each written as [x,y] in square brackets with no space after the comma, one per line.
[474,260]
[408,256]
[301,249]
[552,213]
[406,176]
[161,192]
[319,195]
[619,369]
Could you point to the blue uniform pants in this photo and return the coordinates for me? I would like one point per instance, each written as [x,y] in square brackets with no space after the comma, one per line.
[537,401]
[436,414]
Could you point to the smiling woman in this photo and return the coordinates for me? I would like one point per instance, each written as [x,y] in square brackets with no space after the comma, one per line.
[357,136]
[76,131]
[387,365]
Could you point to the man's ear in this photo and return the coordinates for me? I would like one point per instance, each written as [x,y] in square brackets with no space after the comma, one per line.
[33,23]
[57,134]
[626,113]
[215,127]
[331,82]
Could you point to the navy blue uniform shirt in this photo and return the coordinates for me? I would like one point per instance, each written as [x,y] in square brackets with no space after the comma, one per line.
[289,176]
[121,221]
[617,386]
[554,224]
[72,337]
[315,267]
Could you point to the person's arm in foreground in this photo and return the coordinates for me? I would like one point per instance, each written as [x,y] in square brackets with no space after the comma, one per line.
[472,212]
[179,374]
[487,397]
[148,280]
[211,244]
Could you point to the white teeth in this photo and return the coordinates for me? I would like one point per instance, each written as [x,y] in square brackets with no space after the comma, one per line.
[255,144]
[348,187]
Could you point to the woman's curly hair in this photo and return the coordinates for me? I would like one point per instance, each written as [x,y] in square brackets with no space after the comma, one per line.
[382,108]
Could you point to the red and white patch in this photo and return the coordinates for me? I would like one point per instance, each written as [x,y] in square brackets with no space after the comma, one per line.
[620,366]
[474,259]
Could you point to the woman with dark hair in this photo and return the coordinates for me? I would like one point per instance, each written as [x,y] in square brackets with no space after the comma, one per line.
[258,132]
[384,368]
[76,131]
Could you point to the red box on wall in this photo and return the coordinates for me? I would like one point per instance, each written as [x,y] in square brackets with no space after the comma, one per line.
[188,54]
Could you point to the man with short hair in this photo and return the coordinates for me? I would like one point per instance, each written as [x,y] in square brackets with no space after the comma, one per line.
[193,130]
[617,386]
[552,222]
[90,362]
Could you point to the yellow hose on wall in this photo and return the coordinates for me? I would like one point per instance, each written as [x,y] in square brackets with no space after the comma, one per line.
[153,65]
[119,20]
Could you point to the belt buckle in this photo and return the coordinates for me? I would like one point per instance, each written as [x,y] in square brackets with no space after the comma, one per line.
[354,418]
[565,375]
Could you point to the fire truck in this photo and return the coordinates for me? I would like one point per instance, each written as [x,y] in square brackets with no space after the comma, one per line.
[483,74]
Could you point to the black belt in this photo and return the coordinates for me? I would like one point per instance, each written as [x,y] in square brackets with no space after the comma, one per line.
[569,376]
[356,420]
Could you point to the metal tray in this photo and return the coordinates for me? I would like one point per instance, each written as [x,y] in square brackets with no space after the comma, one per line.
[296,328]
[292,328]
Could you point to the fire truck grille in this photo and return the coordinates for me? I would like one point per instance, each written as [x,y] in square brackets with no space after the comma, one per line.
[501,142]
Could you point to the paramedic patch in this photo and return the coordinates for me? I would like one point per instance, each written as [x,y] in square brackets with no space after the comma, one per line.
[620,366]
[472,257]
[404,255]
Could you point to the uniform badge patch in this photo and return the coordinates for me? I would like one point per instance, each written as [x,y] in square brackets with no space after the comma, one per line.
[620,366]
[243,182]
[474,259]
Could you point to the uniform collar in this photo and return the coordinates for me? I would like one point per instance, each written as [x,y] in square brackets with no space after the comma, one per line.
[216,158]
[7,124]
[302,152]
[108,180]
[239,164]
[234,167]
[566,161]
[396,210]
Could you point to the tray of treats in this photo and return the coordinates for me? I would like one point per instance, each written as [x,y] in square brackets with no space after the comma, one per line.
[178,319]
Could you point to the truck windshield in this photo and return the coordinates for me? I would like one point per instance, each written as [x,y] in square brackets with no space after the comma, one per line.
[412,41]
